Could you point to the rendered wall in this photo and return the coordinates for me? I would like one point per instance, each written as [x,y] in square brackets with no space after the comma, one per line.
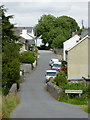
[78,60]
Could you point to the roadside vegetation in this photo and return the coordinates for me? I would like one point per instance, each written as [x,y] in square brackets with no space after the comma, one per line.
[11,60]
[8,105]
[27,57]
[10,54]
[62,82]
[10,65]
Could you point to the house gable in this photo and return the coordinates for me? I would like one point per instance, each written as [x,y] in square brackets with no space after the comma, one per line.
[78,60]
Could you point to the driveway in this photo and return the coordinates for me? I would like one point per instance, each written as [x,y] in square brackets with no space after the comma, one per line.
[36,102]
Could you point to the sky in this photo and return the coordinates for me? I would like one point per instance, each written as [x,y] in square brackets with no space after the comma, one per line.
[28,12]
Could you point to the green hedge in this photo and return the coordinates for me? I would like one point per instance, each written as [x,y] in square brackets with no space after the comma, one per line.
[27,57]
[62,82]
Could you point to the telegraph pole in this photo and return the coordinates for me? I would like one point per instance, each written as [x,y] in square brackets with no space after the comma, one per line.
[82,25]
[36,36]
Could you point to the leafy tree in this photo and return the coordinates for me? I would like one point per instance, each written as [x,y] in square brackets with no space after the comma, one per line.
[58,41]
[45,24]
[51,28]
[10,53]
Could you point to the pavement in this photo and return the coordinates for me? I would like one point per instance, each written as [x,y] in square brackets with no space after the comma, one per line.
[38,103]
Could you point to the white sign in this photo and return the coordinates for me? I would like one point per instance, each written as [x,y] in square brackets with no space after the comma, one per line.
[73,91]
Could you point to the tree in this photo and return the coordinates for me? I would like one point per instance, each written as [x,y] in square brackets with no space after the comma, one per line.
[45,24]
[58,41]
[49,27]
[10,54]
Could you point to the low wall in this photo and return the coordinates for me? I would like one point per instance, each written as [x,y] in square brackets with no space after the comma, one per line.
[58,51]
[26,67]
[54,90]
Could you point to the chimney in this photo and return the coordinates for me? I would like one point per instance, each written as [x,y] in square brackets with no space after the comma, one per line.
[24,31]
[76,32]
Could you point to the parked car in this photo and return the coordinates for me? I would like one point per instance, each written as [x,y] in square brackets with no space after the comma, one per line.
[50,74]
[56,66]
[55,69]
[51,49]
[52,61]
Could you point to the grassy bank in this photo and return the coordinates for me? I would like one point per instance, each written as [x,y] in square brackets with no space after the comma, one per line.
[0,106]
[8,105]
[75,100]
[86,109]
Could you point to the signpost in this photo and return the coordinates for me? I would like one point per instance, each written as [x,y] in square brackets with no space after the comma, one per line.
[74,92]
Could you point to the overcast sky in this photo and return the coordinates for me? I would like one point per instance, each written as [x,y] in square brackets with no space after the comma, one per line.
[28,12]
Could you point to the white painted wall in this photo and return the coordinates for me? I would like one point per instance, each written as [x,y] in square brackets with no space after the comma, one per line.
[69,43]
[26,35]
[39,42]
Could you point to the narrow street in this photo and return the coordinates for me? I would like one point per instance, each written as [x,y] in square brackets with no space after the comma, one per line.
[36,102]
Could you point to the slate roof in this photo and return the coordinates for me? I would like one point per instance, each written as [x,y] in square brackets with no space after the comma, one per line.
[78,42]
[29,29]
[84,33]
[16,32]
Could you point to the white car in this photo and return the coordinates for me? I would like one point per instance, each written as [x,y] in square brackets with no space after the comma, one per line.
[50,74]
[56,66]
[52,61]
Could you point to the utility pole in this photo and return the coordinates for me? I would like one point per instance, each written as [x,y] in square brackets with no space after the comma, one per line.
[82,25]
[36,36]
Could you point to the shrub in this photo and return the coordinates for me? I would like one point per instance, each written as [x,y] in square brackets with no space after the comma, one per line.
[27,57]
[78,86]
[61,79]
[11,74]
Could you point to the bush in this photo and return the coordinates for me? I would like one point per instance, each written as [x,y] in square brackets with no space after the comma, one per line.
[27,57]
[61,79]
[78,86]
[11,74]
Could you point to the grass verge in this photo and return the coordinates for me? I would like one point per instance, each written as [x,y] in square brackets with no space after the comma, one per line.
[8,105]
[86,109]
[0,105]
[74,100]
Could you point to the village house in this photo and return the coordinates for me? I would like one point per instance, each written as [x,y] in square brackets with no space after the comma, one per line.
[69,43]
[79,60]
[28,34]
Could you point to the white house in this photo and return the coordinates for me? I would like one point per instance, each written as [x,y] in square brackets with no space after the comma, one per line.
[69,43]
[28,36]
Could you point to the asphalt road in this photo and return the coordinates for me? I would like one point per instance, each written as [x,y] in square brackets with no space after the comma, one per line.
[36,102]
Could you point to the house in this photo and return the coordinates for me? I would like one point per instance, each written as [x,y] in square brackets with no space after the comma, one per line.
[74,39]
[21,40]
[79,60]
[85,32]
[27,34]
[69,43]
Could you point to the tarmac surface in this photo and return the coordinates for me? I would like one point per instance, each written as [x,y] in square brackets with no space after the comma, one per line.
[36,102]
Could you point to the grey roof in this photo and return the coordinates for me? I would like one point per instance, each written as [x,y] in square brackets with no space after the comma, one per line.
[16,32]
[29,29]
[84,33]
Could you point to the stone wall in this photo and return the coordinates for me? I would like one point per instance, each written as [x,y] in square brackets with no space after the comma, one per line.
[26,67]
[58,51]
[54,90]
